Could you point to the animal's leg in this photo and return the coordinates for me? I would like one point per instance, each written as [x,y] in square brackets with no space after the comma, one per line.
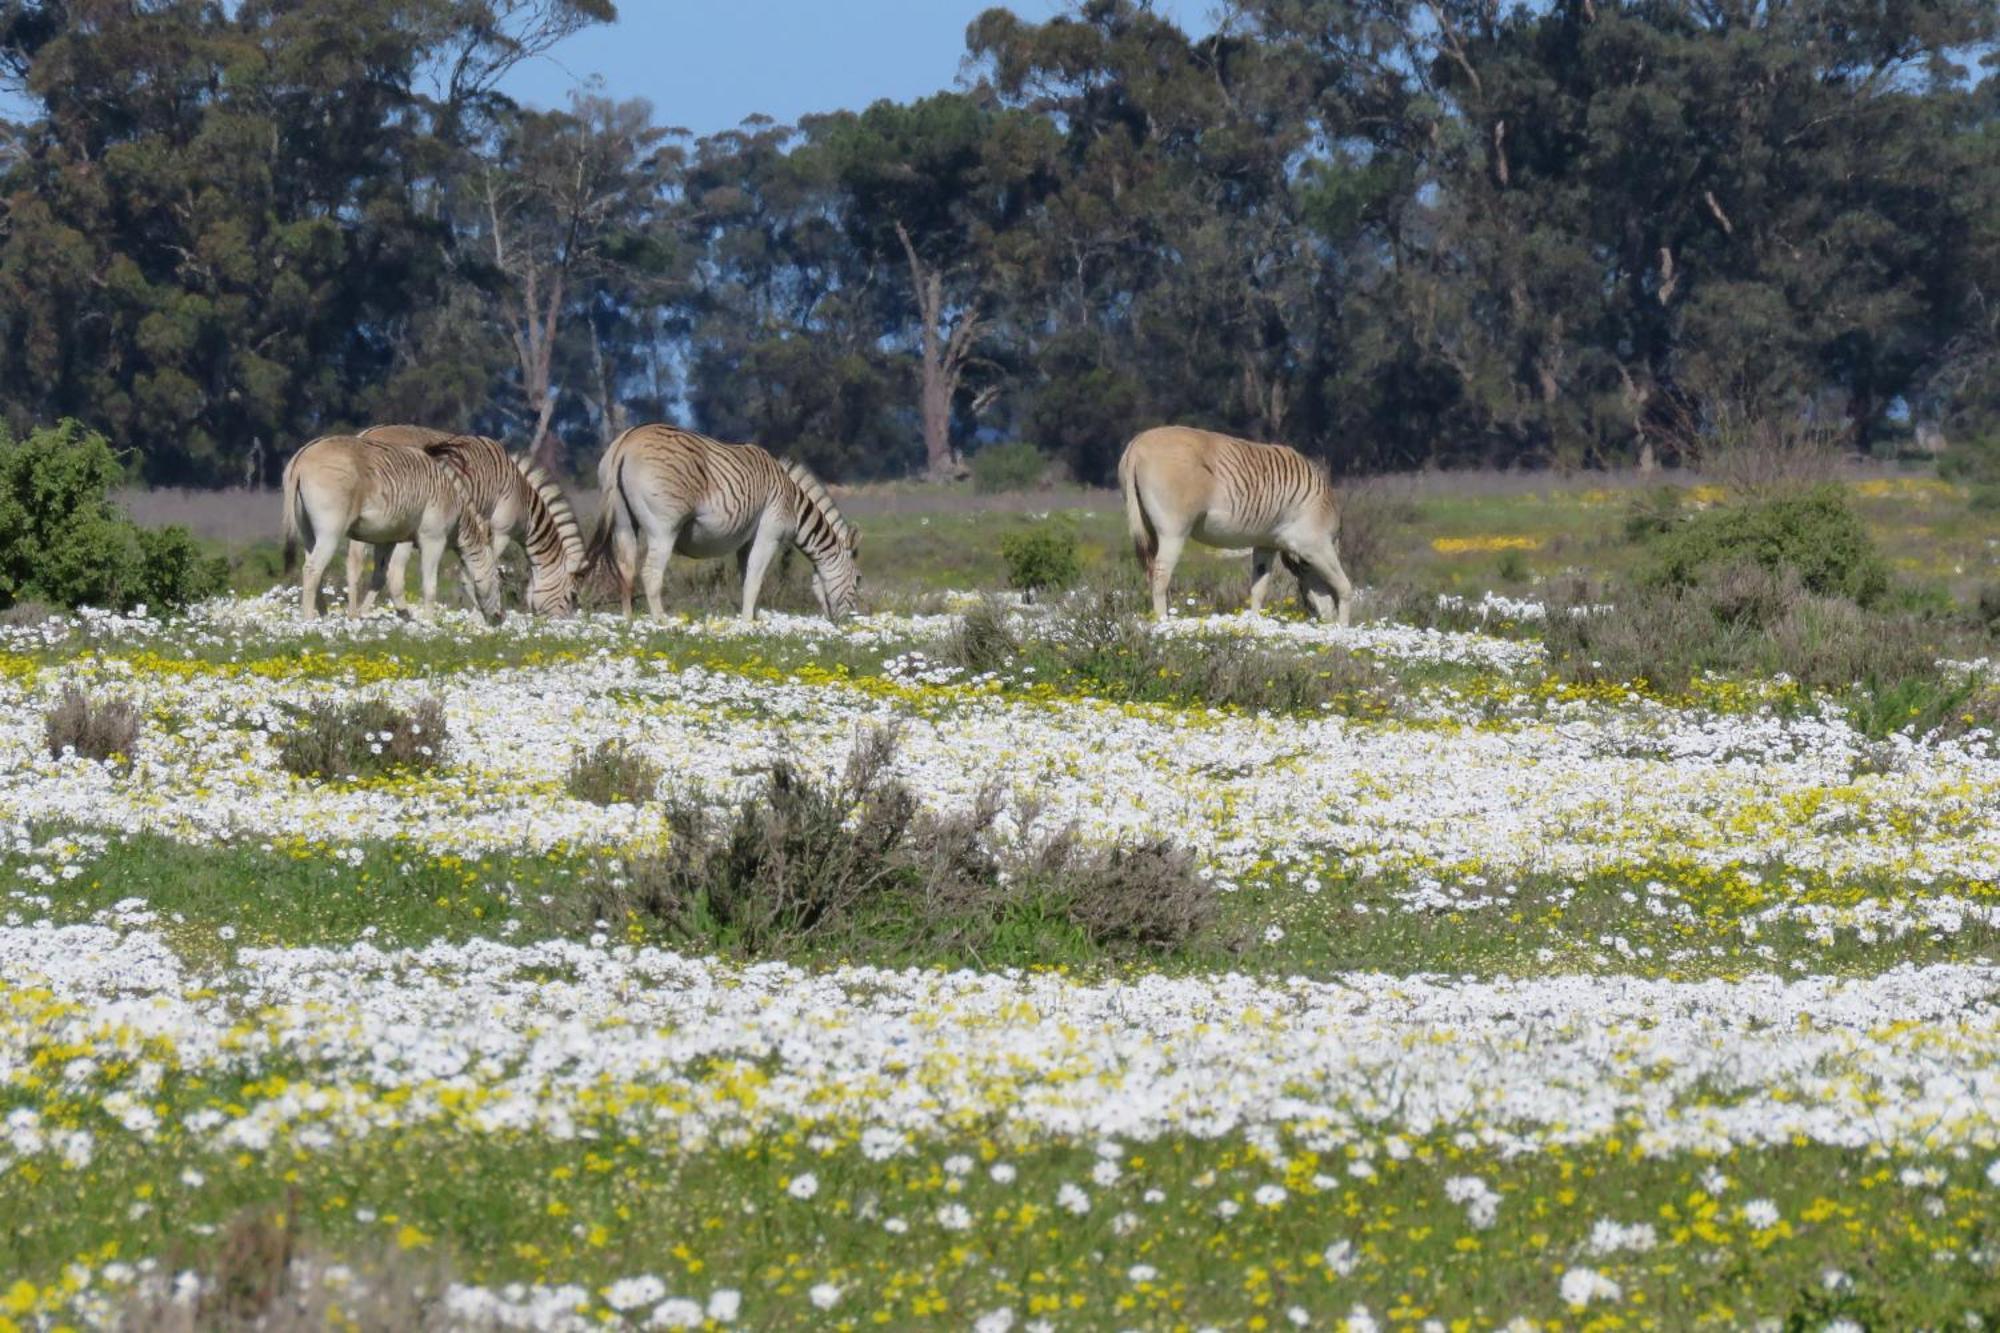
[1161,570]
[625,560]
[761,549]
[399,574]
[317,559]
[430,554]
[1263,563]
[357,561]
[383,554]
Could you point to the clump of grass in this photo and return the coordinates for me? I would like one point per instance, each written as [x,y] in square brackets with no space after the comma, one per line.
[856,866]
[983,640]
[364,738]
[103,730]
[612,774]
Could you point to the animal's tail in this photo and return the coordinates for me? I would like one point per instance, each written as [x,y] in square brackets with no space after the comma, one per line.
[292,514]
[600,572]
[1145,541]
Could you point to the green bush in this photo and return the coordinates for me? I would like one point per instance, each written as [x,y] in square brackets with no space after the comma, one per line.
[999,468]
[1043,558]
[1815,535]
[614,773]
[63,542]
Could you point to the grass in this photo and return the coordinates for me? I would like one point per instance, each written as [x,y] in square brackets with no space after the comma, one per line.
[1094,913]
[1152,1250]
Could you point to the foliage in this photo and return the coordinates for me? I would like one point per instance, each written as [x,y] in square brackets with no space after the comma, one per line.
[613,773]
[858,859]
[1751,621]
[1016,466]
[1549,235]
[1817,536]
[364,738]
[984,641]
[104,730]
[63,542]
[1043,558]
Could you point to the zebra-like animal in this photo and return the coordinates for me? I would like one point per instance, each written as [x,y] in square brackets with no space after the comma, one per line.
[513,495]
[1181,483]
[341,488]
[668,490]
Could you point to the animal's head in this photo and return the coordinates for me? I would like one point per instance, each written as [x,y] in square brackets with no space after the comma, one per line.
[552,591]
[475,551]
[837,583]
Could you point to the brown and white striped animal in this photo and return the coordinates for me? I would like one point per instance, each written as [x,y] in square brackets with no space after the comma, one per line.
[513,495]
[1182,483]
[668,490]
[341,488]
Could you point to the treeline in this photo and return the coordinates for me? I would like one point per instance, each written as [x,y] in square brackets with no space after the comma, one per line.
[1394,234]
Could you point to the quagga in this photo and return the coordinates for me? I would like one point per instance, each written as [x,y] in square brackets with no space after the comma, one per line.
[513,495]
[668,490]
[341,488]
[1181,483]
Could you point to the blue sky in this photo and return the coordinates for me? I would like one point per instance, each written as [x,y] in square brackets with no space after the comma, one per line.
[706,64]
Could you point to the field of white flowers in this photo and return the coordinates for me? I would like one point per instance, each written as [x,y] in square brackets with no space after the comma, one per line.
[1523,1004]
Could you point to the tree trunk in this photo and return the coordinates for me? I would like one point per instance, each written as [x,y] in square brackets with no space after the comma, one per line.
[941,364]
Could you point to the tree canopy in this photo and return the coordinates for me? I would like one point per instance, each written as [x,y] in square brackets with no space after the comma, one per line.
[1391,233]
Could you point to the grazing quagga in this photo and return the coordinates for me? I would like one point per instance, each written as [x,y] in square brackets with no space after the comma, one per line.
[1181,483]
[340,488]
[513,495]
[669,490]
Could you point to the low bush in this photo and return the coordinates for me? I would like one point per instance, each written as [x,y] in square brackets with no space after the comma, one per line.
[1043,558]
[1097,644]
[856,864]
[1375,517]
[1815,535]
[613,774]
[104,730]
[983,640]
[1744,620]
[63,542]
[1001,468]
[364,738]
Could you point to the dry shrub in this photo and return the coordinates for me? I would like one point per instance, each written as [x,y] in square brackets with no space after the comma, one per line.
[104,730]
[1742,620]
[1767,453]
[1375,517]
[1147,898]
[983,640]
[364,738]
[261,1275]
[26,613]
[857,863]
[614,773]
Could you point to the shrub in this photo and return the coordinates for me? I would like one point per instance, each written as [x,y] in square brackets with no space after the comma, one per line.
[1000,468]
[364,738]
[858,864]
[1745,620]
[1513,567]
[614,773]
[1372,514]
[983,641]
[104,730]
[1653,512]
[62,541]
[1989,608]
[1816,535]
[1043,558]
[1096,642]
